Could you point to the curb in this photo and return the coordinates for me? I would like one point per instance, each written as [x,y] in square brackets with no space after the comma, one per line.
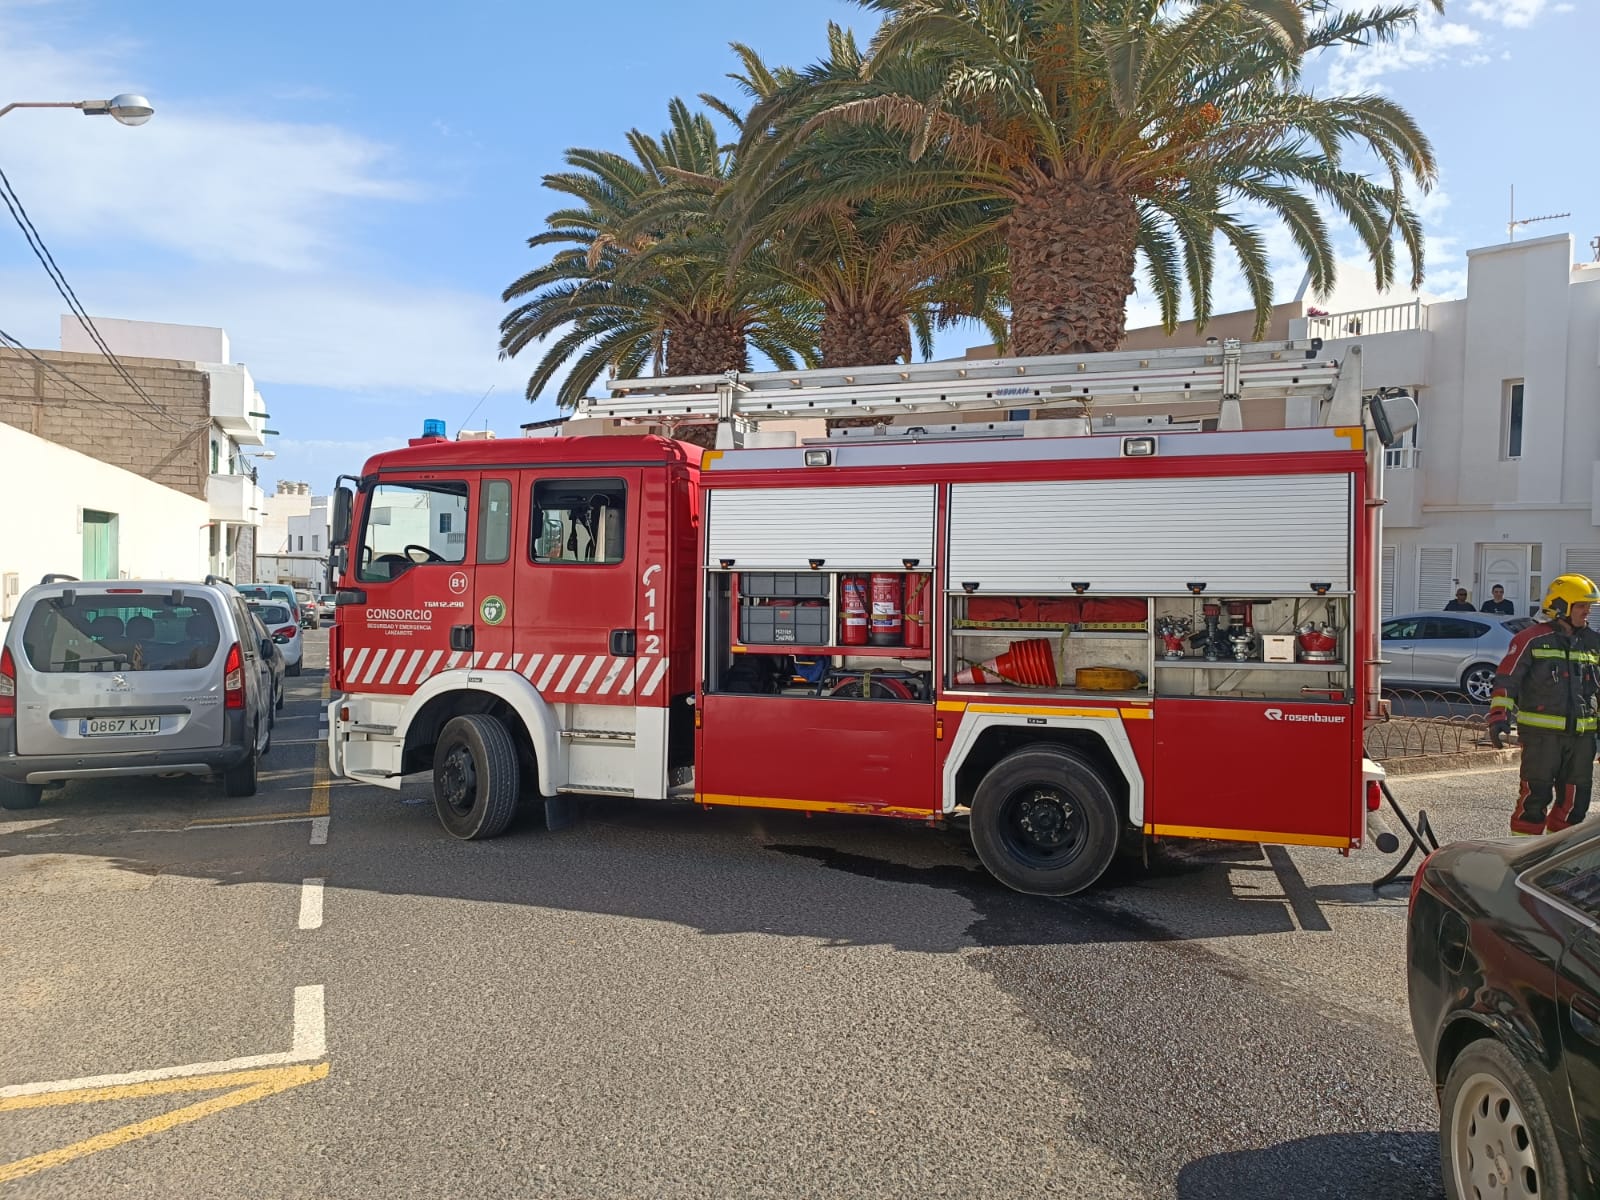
[1467,760]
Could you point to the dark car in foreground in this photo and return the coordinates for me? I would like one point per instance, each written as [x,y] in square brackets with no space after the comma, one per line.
[1503,952]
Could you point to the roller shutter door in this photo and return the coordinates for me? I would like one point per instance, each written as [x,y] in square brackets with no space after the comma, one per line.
[1269,534]
[849,528]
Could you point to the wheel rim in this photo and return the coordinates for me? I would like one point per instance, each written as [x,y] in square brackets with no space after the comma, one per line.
[1480,685]
[1042,826]
[458,780]
[1491,1147]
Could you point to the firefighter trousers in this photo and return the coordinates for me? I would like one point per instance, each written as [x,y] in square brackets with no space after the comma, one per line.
[1556,767]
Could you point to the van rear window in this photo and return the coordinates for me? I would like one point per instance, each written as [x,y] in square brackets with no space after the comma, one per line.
[116,633]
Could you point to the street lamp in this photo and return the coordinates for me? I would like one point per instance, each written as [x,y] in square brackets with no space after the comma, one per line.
[126,108]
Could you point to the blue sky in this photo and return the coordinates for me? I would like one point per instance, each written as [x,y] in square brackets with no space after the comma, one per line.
[346,188]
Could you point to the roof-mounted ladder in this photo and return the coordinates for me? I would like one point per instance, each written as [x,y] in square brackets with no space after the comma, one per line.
[1219,377]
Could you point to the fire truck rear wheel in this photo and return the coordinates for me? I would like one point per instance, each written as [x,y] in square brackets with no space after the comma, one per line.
[1044,822]
[476,779]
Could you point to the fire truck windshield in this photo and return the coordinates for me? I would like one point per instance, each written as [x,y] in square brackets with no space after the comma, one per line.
[411,523]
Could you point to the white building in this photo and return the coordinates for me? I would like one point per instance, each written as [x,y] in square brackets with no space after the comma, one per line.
[1500,482]
[293,546]
[238,425]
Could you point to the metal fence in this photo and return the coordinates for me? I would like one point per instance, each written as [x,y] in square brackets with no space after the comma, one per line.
[1423,723]
[1390,318]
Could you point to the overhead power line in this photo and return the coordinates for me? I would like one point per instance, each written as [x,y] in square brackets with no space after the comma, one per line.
[8,340]
[19,214]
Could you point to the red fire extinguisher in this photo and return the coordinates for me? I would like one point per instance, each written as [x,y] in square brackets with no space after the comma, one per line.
[853,615]
[917,612]
[887,627]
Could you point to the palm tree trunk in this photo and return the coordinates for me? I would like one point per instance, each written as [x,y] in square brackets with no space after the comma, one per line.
[706,344]
[865,334]
[1071,251]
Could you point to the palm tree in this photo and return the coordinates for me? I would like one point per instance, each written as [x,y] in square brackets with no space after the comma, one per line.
[1111,128]
[883,266]
[632,298]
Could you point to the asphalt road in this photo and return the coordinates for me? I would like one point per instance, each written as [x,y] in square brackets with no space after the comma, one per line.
[667,1002]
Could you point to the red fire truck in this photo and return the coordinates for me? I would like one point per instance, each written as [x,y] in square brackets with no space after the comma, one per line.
[1108,610]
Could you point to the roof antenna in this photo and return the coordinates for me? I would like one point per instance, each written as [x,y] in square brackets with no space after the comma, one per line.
[1513,224]
[475,408]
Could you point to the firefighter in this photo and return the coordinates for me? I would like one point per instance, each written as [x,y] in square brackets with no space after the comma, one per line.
[1549,679]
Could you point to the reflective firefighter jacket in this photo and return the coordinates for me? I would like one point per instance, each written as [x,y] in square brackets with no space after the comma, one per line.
[1549,679]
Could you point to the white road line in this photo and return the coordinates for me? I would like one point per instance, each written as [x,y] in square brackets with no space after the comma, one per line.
[310,1042]
[319,831]
[311,904]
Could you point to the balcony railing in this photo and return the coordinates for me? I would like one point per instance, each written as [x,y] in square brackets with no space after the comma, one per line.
[1402,458]
[1392,318]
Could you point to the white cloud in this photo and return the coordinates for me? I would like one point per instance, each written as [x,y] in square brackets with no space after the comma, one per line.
[1433,42]
[1516,14]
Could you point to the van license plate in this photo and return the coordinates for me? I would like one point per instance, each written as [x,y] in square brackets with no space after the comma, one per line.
[118,726]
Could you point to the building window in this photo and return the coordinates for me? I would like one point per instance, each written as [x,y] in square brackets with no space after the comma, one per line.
[1511,421]
[316,539]
[301,547]
[216,458]
[444,522]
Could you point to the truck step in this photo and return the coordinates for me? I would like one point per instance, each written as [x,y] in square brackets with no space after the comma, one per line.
[681,791]
[594,789]
[598,735]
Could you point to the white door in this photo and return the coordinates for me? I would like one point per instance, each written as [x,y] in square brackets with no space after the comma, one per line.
[1436,576]
[1507,566]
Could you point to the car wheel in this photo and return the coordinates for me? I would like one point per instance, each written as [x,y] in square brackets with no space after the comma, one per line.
[1044,822]
[1495,1136]
[293,668]
[278,703]
[15,794]
[476,778]
[1477,681]
[241,780]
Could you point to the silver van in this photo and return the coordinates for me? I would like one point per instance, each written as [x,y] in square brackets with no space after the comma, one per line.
[127,677]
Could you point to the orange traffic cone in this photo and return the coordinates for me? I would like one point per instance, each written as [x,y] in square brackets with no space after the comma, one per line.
[1028,663]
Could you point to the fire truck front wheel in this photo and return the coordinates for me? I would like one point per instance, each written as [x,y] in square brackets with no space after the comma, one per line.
[476,779]
[1044,822]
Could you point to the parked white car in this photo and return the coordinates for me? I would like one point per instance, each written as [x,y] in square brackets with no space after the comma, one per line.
[284,629]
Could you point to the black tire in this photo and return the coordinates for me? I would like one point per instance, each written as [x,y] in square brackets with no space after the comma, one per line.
[476,778]
[278,703]
[241,780]
[1493,1120]
[294,667]
[1044,822]
[14,794]
[1477,682]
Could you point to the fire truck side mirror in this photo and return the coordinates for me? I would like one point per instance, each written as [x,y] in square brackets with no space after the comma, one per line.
[343,498]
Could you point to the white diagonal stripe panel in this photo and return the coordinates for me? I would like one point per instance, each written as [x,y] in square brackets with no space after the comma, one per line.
[394,665]
[588,676]
[432,663]
[347,653]
[655,679]
[455,661]
[374,666]
[353,675]
[533,665]
[477,657]
[572,670]
[411,665]
[618,665]
[549,672]
[629,678]
[493,659]
[515,659]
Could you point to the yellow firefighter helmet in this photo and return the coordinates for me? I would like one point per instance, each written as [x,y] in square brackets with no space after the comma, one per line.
[1567,590]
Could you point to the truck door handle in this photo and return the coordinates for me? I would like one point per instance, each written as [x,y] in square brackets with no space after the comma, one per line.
[461,637]
[624,643]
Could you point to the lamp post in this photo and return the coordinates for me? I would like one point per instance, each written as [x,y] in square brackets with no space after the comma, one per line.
[126,108]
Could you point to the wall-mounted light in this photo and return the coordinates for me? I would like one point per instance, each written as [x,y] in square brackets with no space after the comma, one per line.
[910,564]
[726,563]
[1080,588]
[1196,588]
[816,563]
[969,586]
[1138,447]
[1321,589]
[818,458]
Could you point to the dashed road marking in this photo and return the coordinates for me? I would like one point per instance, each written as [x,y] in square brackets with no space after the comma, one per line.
[311,904]
[319,831]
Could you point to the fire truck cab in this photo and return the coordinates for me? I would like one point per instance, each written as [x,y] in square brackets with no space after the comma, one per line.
[1073,637]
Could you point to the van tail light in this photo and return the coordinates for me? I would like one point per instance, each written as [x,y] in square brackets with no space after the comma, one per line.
[8,684]
[288,631]
[233,679]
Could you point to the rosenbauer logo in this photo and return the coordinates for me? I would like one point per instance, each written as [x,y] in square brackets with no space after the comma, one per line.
[1277,714]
